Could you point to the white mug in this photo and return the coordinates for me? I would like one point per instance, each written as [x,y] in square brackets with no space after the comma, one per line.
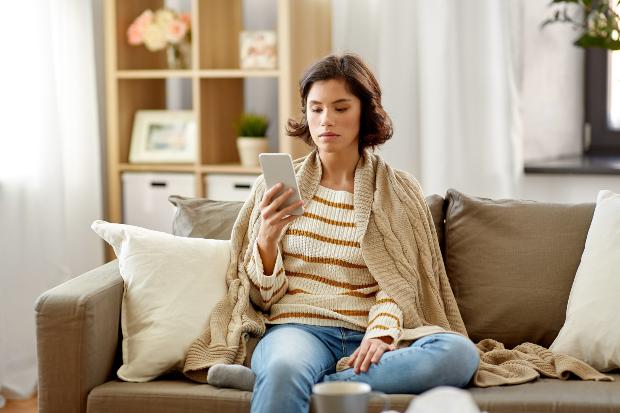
[344,397]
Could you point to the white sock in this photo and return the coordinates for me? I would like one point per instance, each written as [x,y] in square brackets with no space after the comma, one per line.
[231,375]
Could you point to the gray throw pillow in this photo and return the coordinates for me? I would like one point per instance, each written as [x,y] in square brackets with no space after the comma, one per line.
[511,264]
[204,218]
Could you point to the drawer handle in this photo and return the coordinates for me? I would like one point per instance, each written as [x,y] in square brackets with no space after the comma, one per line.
[242,186]
[159,184]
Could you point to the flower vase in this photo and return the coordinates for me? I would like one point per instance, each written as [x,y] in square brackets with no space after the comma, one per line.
[178,56]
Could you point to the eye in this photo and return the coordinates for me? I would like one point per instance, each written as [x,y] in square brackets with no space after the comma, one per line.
[316,110]
[341,109]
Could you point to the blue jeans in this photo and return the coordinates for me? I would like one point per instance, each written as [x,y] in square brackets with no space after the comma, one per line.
[291,358]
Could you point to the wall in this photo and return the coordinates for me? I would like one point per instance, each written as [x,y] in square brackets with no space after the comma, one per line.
[566,188]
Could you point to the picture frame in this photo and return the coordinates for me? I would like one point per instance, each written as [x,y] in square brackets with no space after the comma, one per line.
[258,49]
[163,136]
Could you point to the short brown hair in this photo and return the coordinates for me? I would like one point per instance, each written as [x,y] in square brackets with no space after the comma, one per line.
[375,124]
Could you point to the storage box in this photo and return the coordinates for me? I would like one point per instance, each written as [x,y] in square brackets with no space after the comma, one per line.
[145,198]
[228,187]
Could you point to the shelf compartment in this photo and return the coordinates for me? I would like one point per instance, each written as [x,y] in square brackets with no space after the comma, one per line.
[143,94]
[138,57]
[220,25]
[221,104]
[135,57]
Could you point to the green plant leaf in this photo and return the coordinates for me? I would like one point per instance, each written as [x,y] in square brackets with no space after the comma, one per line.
[252,125]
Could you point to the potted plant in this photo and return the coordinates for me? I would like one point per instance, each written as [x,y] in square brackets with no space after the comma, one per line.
[251,139]
[597,21]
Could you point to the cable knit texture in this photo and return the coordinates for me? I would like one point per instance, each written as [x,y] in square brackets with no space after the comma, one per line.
[400,249]
[320,277]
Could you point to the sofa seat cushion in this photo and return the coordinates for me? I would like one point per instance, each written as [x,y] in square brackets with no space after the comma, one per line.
[166,396]
[181,395]
[551,396]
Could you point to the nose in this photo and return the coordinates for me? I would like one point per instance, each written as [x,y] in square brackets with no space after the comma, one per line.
[326,118]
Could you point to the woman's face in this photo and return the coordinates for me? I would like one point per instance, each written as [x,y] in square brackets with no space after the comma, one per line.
[333,115]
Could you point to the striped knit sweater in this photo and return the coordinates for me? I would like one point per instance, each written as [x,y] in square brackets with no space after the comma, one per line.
[320,277]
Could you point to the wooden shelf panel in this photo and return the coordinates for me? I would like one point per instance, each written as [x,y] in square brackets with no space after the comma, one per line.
[237,73]
[218,37]
[205,74]
[230,168]
[153,74]
[149,167]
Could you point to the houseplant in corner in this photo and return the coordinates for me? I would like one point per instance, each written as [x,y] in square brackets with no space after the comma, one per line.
[597,21]
[251,139]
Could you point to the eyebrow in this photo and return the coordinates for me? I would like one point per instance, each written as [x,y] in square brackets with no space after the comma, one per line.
[314,102]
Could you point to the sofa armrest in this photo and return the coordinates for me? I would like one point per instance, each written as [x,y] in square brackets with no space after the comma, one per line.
[77,337]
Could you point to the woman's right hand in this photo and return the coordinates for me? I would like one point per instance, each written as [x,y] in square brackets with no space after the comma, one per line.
[274,221]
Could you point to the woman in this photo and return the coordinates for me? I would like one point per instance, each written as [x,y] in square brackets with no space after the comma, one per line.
[308,273]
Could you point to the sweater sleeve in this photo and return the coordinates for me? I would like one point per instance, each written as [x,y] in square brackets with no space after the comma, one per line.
[266,289]
[385,318]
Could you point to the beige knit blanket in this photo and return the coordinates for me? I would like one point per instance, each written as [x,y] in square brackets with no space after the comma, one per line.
[400,247]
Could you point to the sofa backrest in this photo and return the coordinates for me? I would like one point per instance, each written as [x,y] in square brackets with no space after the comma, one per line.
[511,263]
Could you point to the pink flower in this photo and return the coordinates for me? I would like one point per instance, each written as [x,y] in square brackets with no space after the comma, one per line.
[135,32]
[176,31]
[186,18]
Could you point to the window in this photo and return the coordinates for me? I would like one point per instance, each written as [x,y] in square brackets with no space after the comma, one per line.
[602,102]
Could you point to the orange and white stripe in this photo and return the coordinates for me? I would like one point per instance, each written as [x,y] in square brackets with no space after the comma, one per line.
[320,275]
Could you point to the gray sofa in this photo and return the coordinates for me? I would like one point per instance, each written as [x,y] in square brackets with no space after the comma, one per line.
[511,265]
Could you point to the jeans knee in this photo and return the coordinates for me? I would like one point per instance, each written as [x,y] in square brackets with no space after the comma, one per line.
[286,372]
[461,356]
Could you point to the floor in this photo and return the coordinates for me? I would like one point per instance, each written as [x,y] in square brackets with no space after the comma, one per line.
[20,406]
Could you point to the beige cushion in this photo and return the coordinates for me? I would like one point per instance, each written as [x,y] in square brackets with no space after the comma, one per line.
[171,285]
[204,218]
[511,264]
[592,328]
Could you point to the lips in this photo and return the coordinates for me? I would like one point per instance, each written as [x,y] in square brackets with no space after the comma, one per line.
[328,134]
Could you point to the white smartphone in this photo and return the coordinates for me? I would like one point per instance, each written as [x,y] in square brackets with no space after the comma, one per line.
[278,167]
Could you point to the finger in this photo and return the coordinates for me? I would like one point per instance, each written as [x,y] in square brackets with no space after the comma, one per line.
[270,193]
[353,357]
[272,207]
[289,209]
[366,363]
[284,221]
[361,355]
[378,354]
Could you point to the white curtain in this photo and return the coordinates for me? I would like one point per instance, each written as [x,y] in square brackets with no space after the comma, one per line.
[450,72]
[50,177]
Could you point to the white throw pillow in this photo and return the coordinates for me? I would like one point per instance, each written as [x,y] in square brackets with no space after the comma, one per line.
[171,285]
[591,331]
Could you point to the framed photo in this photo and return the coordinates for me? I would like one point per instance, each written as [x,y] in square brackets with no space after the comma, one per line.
[258,49]
[163,136]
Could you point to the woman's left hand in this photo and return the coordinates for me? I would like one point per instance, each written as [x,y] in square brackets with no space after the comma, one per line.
[369,351]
